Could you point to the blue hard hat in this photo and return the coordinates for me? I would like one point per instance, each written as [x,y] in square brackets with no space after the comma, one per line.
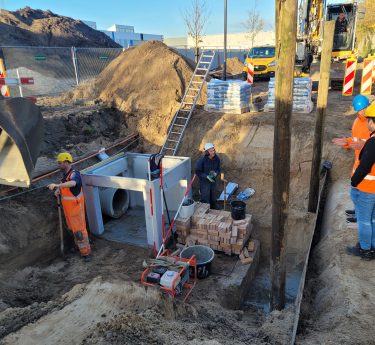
[360,102]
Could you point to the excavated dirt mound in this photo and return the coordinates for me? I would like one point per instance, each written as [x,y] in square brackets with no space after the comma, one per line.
[234,66]
[43,28]
[146,83]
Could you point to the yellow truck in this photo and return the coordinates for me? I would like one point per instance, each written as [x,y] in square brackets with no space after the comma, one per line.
[264,62]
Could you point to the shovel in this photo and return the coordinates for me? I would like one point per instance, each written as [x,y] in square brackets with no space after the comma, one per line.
[61,226]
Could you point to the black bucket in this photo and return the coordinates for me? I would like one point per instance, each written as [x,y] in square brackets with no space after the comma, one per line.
[204,256]
[238,210]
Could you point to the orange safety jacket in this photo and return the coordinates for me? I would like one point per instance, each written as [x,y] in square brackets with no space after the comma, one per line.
[360,132]
[74,210]
[367,184]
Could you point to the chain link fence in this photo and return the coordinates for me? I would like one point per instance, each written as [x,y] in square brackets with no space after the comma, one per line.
[54,69]
[59,69]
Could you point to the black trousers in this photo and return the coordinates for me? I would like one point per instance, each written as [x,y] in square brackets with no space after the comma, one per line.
[208,193]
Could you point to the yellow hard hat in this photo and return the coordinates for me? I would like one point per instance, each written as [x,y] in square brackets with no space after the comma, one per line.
[370,110]
[64,156]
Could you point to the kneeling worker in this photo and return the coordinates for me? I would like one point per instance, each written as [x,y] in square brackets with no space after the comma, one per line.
[73,202]
[207,169]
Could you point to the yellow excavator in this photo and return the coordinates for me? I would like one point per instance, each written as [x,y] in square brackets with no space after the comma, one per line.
[311,17]
[21,137]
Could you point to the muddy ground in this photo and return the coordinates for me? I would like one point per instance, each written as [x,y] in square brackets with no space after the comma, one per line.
[45,299]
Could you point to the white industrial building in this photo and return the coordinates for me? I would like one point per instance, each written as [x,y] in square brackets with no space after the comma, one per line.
[124,35]
[90,23]
[239,40]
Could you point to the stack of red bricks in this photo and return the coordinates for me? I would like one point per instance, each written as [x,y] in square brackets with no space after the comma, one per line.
[215,229]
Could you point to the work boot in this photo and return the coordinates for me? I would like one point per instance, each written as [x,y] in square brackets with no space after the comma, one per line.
[351,220]
[350,213]
[358,251]
[366,255]
[86,258]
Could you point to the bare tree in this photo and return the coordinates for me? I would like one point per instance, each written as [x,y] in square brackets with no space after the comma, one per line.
[195,18]
[254,23]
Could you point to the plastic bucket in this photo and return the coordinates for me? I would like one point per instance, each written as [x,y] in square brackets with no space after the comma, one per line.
[238,211]
[187,209]
[204,256]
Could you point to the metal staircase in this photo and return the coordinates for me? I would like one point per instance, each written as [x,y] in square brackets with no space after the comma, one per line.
[183,114]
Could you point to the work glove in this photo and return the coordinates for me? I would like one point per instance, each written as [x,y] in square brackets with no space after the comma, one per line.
[211,176]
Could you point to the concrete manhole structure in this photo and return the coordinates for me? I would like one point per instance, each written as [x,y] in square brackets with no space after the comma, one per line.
[120,188]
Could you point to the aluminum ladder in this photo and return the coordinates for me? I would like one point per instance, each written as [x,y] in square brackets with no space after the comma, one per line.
[191,96]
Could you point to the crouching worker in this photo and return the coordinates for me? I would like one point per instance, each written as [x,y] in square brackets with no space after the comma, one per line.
[73,202]
[207,169]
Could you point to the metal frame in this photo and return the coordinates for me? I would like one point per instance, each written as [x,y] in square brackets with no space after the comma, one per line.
[129,172]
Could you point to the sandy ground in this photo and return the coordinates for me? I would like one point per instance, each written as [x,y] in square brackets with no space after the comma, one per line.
[339,296]
[45,299]
[61,294]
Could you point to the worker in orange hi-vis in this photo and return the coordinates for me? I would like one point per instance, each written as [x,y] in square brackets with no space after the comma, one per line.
[73,202]
[360,134]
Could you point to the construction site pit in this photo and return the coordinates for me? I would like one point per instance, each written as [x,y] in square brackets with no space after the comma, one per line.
[49,299]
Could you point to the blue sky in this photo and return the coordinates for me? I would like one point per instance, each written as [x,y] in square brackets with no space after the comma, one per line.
[151,16]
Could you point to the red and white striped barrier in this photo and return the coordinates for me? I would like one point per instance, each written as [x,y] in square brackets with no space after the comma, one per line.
[16,81]
[373,70]
[367,74]
[250,73]
[351,66]
[4,90]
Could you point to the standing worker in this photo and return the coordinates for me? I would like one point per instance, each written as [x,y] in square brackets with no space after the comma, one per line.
[73,202]
[360,133]
[363,193]
[207,169]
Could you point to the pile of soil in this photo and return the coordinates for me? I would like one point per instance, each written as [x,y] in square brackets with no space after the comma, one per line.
[146,83]
[234,66]
[29,27]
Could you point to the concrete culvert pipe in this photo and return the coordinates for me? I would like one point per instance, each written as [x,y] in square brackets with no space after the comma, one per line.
[114,202]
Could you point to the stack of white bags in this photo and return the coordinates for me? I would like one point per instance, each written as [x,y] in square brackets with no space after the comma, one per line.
[302,91]
[228,95]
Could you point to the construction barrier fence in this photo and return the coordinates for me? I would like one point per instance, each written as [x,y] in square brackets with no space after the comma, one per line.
[55,69]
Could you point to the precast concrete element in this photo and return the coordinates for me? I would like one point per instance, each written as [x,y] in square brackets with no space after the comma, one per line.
[129,172]
[114,202]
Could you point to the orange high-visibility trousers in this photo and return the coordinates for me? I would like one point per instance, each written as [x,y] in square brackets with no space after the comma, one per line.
[74,210]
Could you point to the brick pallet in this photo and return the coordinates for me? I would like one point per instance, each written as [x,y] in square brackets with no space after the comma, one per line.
[215,229]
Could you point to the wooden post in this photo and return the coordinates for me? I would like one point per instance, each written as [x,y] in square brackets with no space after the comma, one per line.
[325,64]
[286,29]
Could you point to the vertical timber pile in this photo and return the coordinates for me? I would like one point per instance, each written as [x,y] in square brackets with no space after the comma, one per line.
[325,65]
[286,35]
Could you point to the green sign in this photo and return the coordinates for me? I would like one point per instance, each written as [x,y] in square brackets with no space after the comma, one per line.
[40,57]
[103,58]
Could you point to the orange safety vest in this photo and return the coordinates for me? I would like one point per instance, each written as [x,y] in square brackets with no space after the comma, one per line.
[360,132]
[367,185]
[74,210]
